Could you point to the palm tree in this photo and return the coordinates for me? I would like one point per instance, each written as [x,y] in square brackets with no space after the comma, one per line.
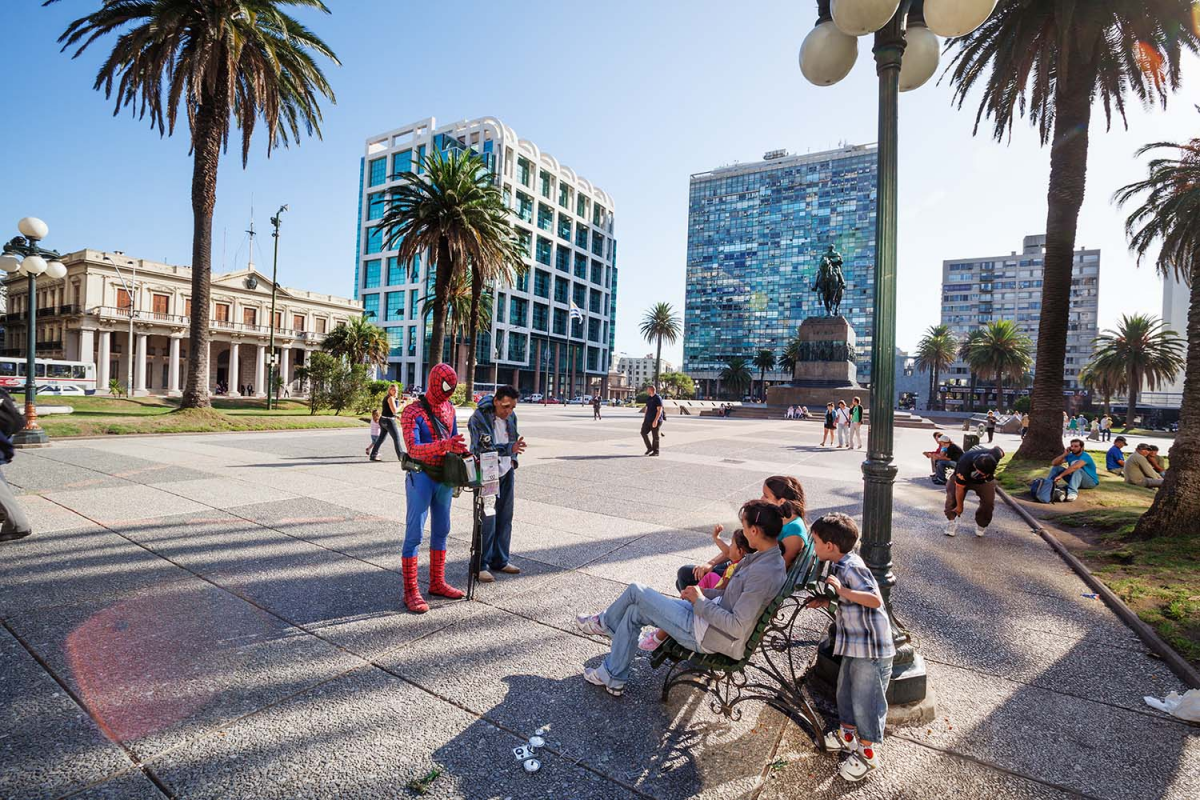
[737,376]
[359,341]
[1053,59]
[936,351]
[452,210]
[1170,214]
[791,355]
[964,355]
[228,63]
[1001,351]
[764,360]
[660,323]
[1104,377]
[1151,354]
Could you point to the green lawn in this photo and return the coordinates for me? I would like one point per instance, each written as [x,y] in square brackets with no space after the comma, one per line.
[1157,578]
[101,416]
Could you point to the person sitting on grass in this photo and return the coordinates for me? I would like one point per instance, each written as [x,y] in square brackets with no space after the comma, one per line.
[1076,468]
[1139,471]
[1153,458]
[864,642]
[703,620]
[737,549]
[1114,459]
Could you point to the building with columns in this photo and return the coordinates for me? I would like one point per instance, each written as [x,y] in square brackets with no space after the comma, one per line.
[86,316]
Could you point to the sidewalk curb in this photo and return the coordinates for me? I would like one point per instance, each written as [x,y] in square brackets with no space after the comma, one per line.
[1186,672]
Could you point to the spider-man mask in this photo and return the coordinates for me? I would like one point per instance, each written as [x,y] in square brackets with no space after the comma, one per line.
[442,382]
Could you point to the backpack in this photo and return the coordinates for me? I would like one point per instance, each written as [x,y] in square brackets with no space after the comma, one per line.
[1042,490]
[11,418]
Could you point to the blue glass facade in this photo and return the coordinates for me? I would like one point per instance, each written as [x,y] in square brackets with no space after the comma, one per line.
[756,233]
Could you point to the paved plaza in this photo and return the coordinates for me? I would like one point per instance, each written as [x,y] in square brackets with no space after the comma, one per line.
[221,616]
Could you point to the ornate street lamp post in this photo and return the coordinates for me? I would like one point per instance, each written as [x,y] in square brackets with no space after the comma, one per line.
[275,221]
[906,52]
[24,256]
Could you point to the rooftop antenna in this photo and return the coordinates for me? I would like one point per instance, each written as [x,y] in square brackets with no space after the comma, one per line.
[251,233]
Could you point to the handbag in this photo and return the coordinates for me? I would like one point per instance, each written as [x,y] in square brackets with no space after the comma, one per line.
[454,470]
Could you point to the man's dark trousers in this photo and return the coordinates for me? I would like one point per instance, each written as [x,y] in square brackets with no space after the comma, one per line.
[647,430]
[496,535]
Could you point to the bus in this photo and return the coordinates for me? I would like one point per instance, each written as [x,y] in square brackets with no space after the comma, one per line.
[52,375]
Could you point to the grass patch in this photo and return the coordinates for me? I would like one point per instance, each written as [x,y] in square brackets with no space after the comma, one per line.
[421,786]
[1158,578]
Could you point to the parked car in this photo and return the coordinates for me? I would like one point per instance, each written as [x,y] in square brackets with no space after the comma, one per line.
[534,398]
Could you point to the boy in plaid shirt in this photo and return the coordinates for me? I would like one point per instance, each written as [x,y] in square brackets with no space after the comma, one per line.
[864,641]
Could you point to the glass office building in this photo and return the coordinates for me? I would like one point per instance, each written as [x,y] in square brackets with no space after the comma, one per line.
[552,329]
[756,233]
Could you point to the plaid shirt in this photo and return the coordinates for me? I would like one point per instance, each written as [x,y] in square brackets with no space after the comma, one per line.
[861,632]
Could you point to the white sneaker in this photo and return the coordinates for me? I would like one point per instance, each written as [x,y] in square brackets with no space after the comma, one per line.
[979,531]
[952,527]
[860,763]
[594,677]
[841,740]
[591,625]
[485,576]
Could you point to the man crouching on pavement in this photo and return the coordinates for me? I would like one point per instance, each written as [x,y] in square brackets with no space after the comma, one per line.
[493,428]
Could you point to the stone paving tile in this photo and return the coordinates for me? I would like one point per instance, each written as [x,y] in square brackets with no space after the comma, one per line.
[560,548]
[374,501]
[123,503]
[34,474]
[48,745]
[556,602]
[635,738]
[46,516]
[654,559]
[132,785]
[159,666]
[222,492]
[281,476]
[368,735]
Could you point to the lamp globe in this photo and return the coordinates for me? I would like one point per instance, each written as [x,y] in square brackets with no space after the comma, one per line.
[33,228]
[827,54]
[33,265]
[10,263]
[957,17]
[860,17]
[920,58]
[56,270]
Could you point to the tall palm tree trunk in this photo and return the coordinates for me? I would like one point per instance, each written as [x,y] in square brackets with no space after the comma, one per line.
[1177,504]
[1068,180]
[937,384]
[441,290]
[658,361]
[1135,385]
[205,160]
[762,383]
[473,331]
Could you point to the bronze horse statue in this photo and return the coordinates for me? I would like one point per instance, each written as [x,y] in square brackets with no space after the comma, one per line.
[831,283]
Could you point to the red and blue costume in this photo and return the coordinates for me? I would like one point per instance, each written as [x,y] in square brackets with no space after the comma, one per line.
[426,497]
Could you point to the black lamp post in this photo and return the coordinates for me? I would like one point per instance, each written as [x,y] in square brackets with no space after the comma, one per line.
[906,50]
[271,358]
[24,256]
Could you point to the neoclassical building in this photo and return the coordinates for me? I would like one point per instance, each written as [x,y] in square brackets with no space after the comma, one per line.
[86,317]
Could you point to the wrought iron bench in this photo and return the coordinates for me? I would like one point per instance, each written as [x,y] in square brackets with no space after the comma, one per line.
[773,677]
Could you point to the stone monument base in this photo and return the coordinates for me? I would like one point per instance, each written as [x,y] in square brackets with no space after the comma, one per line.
[826,369]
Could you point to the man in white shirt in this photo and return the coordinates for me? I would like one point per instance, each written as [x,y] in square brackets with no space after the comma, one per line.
[842,416]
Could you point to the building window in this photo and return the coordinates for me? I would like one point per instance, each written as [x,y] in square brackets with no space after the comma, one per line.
[541,316]
[597,244]
[581,206]
[160,303]
[562,290]
[375,205]
[321,324]
[123,300]
[378,172]
[560,322]
[421,159]
[278,320]
[415,275]
[562,258]
[581,266]
[413,299]
[517,312]
[545,217]
[371,274]
[394,306]
[371,306]
[401,163]
[593,356]
[221,312]
[580,296]
[524,206]
[298,322]
[395,272]
[525,239]
[524,171]
[250,316]
[547,183]
[516,348]
[187,307]
[594,301]
[523,281]
[564,195]
[564,227]
[507,195]
[581,237]
[395,337]
[597,273]
[374,240]
[593,330]
[598,215]
[541,283]
[501,300]
[543,251]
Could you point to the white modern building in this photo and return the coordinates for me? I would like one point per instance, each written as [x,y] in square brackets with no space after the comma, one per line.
[976,291]
[537,341]
[640,371]
[128,314]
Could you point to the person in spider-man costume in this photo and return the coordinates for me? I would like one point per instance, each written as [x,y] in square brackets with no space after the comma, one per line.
[424,494]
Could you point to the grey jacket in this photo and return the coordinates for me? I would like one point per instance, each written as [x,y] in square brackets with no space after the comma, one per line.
[733,612]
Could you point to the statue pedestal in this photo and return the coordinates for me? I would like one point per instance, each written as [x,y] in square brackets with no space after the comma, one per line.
[826,369]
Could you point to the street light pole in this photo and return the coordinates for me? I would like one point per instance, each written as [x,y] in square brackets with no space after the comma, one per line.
[275,222]
[129,290]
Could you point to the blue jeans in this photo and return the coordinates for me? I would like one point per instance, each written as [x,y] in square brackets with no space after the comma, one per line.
[388,426]
[422,496]
[862,695]
[1075,481]
[637,607]
[496,535]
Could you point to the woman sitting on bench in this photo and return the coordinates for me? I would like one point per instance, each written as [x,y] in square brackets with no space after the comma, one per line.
[704,620]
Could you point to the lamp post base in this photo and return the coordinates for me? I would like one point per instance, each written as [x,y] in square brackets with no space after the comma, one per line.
[30,437]
[910,700]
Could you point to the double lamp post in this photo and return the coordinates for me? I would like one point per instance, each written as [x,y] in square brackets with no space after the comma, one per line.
[906,49]
[24,255]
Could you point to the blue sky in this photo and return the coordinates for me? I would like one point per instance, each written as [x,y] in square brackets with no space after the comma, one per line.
[635,96]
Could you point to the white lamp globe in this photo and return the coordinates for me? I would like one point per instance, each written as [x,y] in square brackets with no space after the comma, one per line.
[957,17]
[920,58]
[827,54]
[33,265]
[33,228]
[10,263]
[56,270]
[860,17]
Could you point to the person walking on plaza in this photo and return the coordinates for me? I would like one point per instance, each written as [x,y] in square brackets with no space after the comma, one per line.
[388,426]
[652,420]
[493,428]
[843,424]
[830,424]
[991,426]
[376,430]
[1024,424]
[856,423]
[1105,428]
[596,407]
[975,472]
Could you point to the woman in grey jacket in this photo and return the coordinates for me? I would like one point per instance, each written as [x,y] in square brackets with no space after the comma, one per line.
[704,620]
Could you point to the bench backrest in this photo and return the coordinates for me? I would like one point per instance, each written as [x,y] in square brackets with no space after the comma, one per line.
[799,574]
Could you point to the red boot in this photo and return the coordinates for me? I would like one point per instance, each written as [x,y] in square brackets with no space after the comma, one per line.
[437,576]
[412,592]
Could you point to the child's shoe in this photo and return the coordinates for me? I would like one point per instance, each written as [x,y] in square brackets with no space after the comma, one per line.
[861,763]
[649,641]
[842,740]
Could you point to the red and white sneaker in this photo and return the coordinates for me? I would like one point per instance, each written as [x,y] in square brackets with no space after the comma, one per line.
[842,740]
[860,764]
